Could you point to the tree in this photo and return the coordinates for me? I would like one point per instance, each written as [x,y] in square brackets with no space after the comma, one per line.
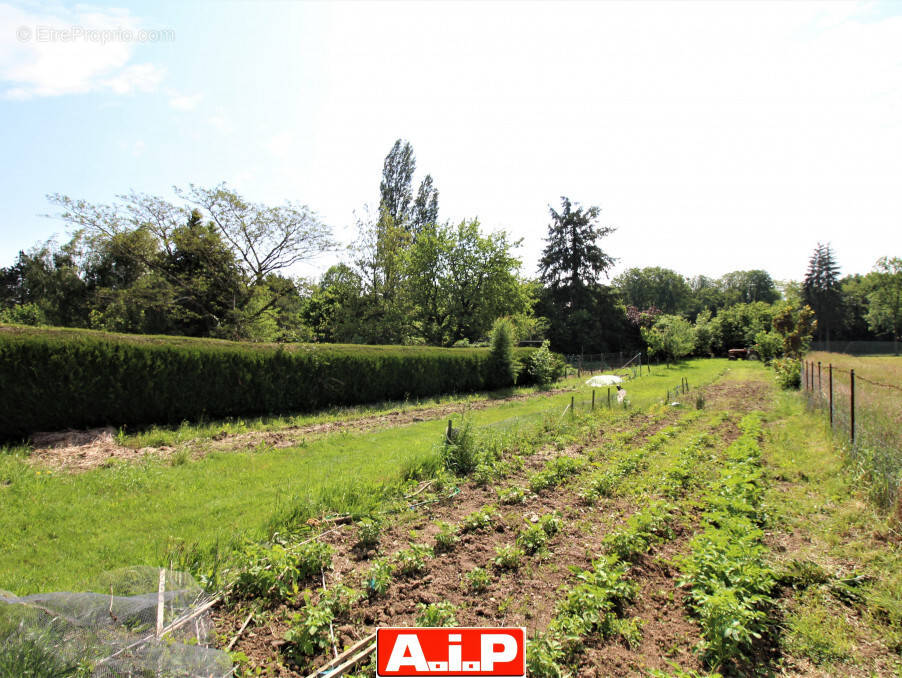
[583,313]
[572,261]
[654,287]
[501,368]
[396,190]
[747,287]
[796,327]
[671,336]
[265,238]
[885,302]
[397,175]
[821,289]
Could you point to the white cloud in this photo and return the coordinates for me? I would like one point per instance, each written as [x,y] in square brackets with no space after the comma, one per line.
[46,54]
[222,123]
[184,102]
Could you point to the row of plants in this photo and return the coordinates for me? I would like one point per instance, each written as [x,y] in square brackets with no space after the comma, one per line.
[729,580]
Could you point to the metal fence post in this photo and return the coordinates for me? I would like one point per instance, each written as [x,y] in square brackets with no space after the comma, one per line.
[820,389]
[852,405]
[593,399]
[830,379]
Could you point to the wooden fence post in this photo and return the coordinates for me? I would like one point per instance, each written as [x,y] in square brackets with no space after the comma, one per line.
[448,432]
[820,388]
[571,406]
[593,399]
[852,405]
[609,397]
[830,380]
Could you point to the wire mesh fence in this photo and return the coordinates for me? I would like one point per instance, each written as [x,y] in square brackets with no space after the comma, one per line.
[866,416]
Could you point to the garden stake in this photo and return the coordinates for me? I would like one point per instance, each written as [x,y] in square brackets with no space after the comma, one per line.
[593,399]
[609,397]
[571,406]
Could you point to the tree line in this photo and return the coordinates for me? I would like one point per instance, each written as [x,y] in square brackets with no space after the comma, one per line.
[214,264]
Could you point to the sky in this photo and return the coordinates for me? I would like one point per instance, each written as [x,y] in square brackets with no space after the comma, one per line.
[713,136]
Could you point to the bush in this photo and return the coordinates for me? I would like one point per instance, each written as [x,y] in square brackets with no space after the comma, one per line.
[544,366]
[64,378]
[501,367]
[768,345]
[789,372]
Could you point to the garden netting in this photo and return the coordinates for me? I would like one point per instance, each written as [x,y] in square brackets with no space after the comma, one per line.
[137,623]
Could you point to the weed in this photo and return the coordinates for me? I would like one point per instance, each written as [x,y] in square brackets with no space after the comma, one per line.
[459,451]
[436,614]
[275,572]
[340,598]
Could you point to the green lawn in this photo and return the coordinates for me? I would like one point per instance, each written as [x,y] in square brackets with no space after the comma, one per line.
[58,531]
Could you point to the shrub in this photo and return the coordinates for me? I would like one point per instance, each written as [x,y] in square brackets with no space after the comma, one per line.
[789,372]
[768,345]
[65,378]
[544,366]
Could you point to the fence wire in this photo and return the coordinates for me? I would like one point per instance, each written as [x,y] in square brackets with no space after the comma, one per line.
[865,416]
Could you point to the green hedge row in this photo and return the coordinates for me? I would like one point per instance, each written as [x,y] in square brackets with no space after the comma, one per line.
[58,378]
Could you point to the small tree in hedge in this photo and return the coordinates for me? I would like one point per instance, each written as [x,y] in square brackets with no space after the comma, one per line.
[671,336]
[502,368]
[543,366]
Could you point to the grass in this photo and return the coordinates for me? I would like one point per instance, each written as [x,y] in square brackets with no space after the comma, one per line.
[59,531]
[850,614]
[878,418]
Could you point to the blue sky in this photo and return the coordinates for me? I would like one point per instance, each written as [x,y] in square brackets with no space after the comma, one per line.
[714,136]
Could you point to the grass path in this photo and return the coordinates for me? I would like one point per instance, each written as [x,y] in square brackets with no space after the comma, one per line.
[840,558]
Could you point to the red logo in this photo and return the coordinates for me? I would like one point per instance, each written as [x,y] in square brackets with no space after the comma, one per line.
[451,652]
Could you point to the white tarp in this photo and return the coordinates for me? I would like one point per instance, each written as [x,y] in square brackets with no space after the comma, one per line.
[604,380]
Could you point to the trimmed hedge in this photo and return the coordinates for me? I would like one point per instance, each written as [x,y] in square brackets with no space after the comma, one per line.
[52,379]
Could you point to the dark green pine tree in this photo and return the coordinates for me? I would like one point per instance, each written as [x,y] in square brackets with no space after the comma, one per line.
[821,289]
[582,311]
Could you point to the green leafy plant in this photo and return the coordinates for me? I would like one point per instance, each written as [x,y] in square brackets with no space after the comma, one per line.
[368,531]
[446,538]
[508,557]
[532,539]
[309,632]
[543,656]
[412,560]
[378,578]
[273,573]
[511,495]
[788,373]
[477,580]
[479,520]
[460,450]
[436,614]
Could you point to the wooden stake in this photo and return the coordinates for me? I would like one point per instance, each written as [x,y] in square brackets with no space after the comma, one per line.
[240,631]
[161,593]
[593,399]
